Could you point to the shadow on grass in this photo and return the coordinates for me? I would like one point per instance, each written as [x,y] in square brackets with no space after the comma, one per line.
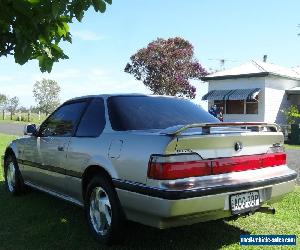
[38,221]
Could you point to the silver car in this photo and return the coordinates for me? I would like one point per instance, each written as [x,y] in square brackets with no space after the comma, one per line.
[160,161]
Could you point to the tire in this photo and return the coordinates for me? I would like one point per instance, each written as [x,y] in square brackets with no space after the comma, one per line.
[14,183]
[103,211]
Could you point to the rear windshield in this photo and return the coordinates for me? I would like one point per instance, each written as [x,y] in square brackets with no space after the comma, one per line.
[145,112]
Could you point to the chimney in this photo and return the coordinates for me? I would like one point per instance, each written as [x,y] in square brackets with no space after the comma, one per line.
[265,58]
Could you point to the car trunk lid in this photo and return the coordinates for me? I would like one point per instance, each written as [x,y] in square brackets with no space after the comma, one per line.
[223,140]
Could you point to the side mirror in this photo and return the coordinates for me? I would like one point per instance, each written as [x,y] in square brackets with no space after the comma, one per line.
[30,129]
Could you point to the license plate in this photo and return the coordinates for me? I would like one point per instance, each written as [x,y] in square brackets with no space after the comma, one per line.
[244,202]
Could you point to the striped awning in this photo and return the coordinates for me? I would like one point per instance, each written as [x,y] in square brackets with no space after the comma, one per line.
[216,95]
[234,94]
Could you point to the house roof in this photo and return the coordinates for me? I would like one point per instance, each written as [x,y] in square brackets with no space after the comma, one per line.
[254,69]
[295,90]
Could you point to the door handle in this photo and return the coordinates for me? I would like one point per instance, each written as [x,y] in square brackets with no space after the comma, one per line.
[60,148]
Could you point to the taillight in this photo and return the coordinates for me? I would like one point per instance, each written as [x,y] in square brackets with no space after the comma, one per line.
[236,164]
[243,163]
[191,165]
[177,167]
[275,159]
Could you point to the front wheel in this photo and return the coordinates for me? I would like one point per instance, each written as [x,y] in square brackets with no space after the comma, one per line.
[13,179]
[103,211]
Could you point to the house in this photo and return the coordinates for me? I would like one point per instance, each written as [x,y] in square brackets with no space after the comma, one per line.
[254,92]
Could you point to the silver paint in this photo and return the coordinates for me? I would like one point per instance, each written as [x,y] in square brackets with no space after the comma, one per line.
[125,154]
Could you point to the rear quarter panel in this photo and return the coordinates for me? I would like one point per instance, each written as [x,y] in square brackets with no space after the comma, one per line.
[124,155]
[132,163]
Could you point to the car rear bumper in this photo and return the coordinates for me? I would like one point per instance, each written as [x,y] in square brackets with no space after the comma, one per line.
[208,200]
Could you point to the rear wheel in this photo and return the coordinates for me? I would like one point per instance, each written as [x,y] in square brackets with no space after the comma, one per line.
[13,179]
[103,211]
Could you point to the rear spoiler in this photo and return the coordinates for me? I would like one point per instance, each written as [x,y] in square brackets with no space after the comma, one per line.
[254,126]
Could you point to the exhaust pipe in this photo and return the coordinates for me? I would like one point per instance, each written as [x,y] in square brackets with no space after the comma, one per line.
[266,210]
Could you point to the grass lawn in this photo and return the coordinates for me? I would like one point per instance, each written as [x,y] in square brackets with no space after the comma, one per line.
[34,118]
[37,122]
[290,146]
[38,221]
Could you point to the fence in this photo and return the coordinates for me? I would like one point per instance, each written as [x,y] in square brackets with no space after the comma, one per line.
[286,130]
[23,117]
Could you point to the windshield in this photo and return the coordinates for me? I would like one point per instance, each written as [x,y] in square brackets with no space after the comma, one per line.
[146,112]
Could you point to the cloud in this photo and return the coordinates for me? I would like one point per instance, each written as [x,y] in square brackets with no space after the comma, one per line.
[6,78]
[60,75]
[87,35]
[79,82]
[98,81]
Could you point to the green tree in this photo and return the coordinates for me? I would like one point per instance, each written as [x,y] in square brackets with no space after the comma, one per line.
[166,66]
[3,100]
[12,105]
[46,94]
[3,103]
[291,114]
[33,29]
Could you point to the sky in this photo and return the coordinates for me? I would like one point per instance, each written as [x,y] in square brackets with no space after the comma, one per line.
[237,31]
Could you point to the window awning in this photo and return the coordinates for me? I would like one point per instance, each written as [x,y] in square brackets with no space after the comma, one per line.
[216,95]
[234,94]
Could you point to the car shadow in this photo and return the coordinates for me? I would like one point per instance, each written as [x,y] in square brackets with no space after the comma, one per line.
[38,221]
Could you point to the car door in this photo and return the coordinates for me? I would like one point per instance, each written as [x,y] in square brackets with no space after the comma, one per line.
[86,143]
[54,136]
[29,149]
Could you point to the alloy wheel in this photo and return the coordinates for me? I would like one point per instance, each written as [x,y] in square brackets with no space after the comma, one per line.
[11,177]
[100,211]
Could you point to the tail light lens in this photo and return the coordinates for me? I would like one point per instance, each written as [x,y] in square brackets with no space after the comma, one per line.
[177,167]
[275,159]
[185,166]
[243,163]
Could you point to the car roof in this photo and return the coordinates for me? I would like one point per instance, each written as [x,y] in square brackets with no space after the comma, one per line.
[105,96]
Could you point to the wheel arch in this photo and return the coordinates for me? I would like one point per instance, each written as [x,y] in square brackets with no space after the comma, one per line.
[8,151]
[88,174]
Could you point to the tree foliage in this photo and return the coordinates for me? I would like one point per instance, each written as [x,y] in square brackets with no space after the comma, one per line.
[3,101]
[12,104]
[292,113]
[33,29]
[46,94]
[166,66]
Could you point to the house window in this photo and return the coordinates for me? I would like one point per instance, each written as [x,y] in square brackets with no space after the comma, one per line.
[252,107]
[238,106]
[234,107]
[219,104]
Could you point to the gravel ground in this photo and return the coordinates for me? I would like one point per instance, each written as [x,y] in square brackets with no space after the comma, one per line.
[12,128]
[293,154]
[293,159]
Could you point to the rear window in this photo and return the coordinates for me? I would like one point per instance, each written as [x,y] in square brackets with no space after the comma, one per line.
[145,112]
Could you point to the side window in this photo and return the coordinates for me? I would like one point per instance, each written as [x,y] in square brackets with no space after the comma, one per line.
[93,121]
[63,121]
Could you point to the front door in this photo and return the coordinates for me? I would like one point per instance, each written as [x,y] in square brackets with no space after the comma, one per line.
[54,137]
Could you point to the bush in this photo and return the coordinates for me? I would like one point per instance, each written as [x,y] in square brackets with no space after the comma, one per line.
[292,113]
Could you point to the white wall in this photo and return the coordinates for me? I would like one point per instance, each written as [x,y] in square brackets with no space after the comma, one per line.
[276,98]
[242,83]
